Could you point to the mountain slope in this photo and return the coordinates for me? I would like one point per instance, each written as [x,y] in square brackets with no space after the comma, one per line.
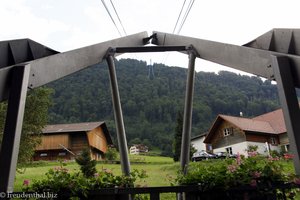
[150,103]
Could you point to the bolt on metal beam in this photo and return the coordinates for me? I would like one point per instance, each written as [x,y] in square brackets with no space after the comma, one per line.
[121,135]
[13,127]
[289,103]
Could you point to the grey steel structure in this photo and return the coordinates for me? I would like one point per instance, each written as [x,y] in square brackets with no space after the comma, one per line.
[258,57]
[274,55]
[39,71]
[188,111]
[121,134]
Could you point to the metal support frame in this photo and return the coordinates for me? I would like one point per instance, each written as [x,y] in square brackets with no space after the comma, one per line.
[251,59]
[289,103]
[188,111]
[188,108]
[248,59]
[13,127]
[51,68]
[187,121]
[149,49]
[255,57]
[121,135]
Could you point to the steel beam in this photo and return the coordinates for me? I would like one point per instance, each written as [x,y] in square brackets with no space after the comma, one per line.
[149,49]
[289,103]
[48,69]
[13,127]
[280,40]
[121,135]
[247,59]
[187,115]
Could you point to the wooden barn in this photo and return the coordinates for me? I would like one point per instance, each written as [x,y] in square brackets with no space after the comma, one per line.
[66,141]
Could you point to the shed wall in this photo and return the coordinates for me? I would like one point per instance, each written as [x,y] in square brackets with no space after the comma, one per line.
[53,141]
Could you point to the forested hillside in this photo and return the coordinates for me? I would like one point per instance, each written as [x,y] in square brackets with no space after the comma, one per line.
[150,103]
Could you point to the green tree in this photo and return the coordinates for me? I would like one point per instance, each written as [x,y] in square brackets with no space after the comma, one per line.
[87,165]
[111,153]
[35,118]
[147,143]
[192,151]
[177,137]
[135,141]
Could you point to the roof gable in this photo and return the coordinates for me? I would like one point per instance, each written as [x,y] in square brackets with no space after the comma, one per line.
[244,124]
[199,136]
[75,127]
[247,124]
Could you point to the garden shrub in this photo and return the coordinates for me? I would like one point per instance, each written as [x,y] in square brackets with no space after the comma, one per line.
[111,153]
[257,171]
[87,165]
[60,181]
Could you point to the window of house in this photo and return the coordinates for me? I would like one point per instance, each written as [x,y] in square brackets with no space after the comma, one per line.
[229,150]
[61,153]
[273,140]
[43,154]
[208,147]
[287,147]
[227,131]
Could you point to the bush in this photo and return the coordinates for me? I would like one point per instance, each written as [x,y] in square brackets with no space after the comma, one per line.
[257,172]
[252,148]
[58,180]
[87,165]
[274,153]
[111,153]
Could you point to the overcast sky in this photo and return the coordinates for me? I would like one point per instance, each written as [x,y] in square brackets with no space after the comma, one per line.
[69,24]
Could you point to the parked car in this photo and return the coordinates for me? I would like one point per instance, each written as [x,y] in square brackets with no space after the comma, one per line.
[202,155]
[232,155]
[225,155]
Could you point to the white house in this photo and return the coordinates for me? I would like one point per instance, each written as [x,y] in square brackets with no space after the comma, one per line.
[198,143]
[138,148]
[234,134]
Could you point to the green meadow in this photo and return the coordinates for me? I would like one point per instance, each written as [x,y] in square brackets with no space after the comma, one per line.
[160,170]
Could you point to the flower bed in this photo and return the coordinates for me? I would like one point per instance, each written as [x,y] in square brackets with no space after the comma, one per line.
[70,185]
[257,176]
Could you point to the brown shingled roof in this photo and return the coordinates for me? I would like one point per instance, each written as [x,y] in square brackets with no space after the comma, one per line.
[76,127]
[247,124]
[275,119]
[272,123]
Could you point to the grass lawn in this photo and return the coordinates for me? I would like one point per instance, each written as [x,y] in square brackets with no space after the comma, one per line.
[157,168]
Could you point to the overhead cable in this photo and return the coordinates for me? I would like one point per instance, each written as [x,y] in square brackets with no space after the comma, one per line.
[112,19]
[118,17]
[179,16]
[186,15]
[183,20]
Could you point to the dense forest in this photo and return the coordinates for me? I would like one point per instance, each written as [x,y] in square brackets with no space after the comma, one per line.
[151,99]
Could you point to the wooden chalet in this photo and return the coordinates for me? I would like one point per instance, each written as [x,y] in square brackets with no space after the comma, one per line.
[234,134]
[66,141]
